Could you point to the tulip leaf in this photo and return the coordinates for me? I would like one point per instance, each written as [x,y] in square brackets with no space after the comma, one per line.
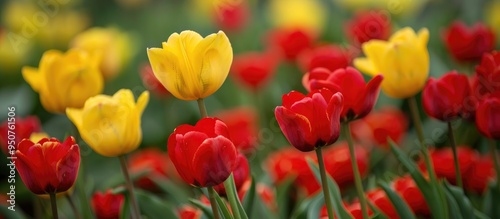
[152,206]
[283,199]
[207,210]
[178,195]
[463,202]
[232,195]
[222,207]
[17,214]
[249,198]
[480,215]
[309,208]
[377,213]
[338,208]
[399,204]
[432,191]
[491,200]
[453,207]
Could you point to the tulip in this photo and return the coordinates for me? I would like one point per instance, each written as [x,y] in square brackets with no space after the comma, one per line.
[448,97]
[242,126]
[378,198]
[403,61]
[304,14]
[479,175]
[338,163]
[369,25]
[488,116]
[192,67]
[241,174]
[151,82]
[331,57]
[231,15]
[202,154]
[355,210]
[488,74]
[442,160]
[107,205]
[468,44]
[22,127]
[265,193]
[290,42]
[359,98]
[189,212]
[154,162]
[411,194]
[37,136]
[48,166]
[312,121]
[111,125]
[65,79]
[254,69]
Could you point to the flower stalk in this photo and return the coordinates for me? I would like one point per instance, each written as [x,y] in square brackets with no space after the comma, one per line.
[128,183]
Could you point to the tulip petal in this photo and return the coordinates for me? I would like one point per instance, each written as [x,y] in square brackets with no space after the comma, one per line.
[28,176]
[67,168]
[165,65]
[368,99]
[374,51]
[75,115]
[290,98]
[142,102]
[296,128]
[423,36]
[214,161]
[334,110]
[34,78]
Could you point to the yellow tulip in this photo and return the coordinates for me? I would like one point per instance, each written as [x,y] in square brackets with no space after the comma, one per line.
[111,126]
[65,79]
[307,15]
[190,66]
[37,136]
[395,7]
[111,45]
[493,16]
[403,61]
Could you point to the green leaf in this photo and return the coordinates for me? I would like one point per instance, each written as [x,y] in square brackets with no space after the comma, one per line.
[491,201]
[17,213]
[453,207]
[153,207]
[249,198]
[178,195]
[463,202]
[232,195]
[283,199]
[399,204]
[207,210]
[222,206]
[309,207]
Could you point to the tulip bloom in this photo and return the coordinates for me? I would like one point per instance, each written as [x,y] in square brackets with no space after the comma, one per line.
[448,97]
[49,166]
[468,44]
[311,121]
[304,14]
[202,154]
[107,205]
[378,198]
[442,161]
[488,73]
[65,80]
[488,116]
[151,82]
[241,174]
[369,25]
[291,42]
[479,175]
[151,160]
[23,128]
[254,69]
[189,212]
[192,67]
[331,57]
[338,163]
[403,61]
[359,97]
[242,126]
[411,194]
[231,15]
[111,126]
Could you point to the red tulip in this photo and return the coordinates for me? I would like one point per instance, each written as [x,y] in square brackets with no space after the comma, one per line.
[152,161]
[151,82]
[240,173]
[479,175]
[189,212]
[359,97]
[331,57]
[338,163]
[232,15]
[107,205]
[291,42]
[242,126]
[408,190]
[355,210]
[488,74]
[202,154]
[377,126]
[254,69]
[468,43]
[311,121]
[263,191]
[22,128]
[448,97]
[366,26]
[378,198]
[443,162]
[488,116]
[48,166]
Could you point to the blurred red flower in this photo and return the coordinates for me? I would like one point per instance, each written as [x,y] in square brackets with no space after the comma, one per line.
[479,174]
[154,162]
[291,42]
[242,126]
[311,121]
[488,74]
[331,57]
[355,210]
[254,69]
[151,82]
[241,173]
[232,15]
[107,205]
[202,154]
[488,116]
[189,212]
[48,166]
[368,25]
[408,190]
[263,191]
[21,127]
[378,198]
[467,44]
[338,163]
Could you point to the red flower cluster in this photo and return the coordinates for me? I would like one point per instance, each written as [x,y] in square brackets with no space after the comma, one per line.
[242,126]
[154,162]
[107,205]
[369,25]
[468,44]
[24,127]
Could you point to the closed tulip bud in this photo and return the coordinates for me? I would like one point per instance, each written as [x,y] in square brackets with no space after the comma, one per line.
[107,205]
[111,125]
[48,166]
[488,116]
[468,44]
[378,198]
[22,127]
[311,121]
[241,173]
[202,154]
[331,57]
[65,79]
[192,67]
[403,61]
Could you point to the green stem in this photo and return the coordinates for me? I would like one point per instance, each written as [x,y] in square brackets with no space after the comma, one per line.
[493,152]
[324,183]
[213,202]
[420,133]
[53,204]
[128,183]
[355,169]
[230,188]
[458,175]
[73,206]
[203,109]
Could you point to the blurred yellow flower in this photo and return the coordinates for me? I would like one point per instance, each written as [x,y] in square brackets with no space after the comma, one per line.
[12,53]
[62,28]
[114,48]
[403,61]
[493,16]
[111,125]
[307,15]
[65,79]
[395,7]
[190,66]
[37,136]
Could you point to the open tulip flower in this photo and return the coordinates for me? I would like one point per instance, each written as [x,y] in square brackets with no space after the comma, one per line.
[468,44]
[192,67]
[48,166]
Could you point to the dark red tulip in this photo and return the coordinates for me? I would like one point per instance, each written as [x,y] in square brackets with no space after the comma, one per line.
[154,162]
[311,121]
[202,154]
[254,69]
[151,82]
[232,15]
[291,42]
[488,74]
[448,97]
[378,198]
[107,205]
[488,116]
[338,163]
[479,175]
[48,166]
[359,97]
[376,127]
[408,190]
[240,173]
[369,25]
[443,162]
[467,44]
[20,128]
[242,126]
[331,57]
